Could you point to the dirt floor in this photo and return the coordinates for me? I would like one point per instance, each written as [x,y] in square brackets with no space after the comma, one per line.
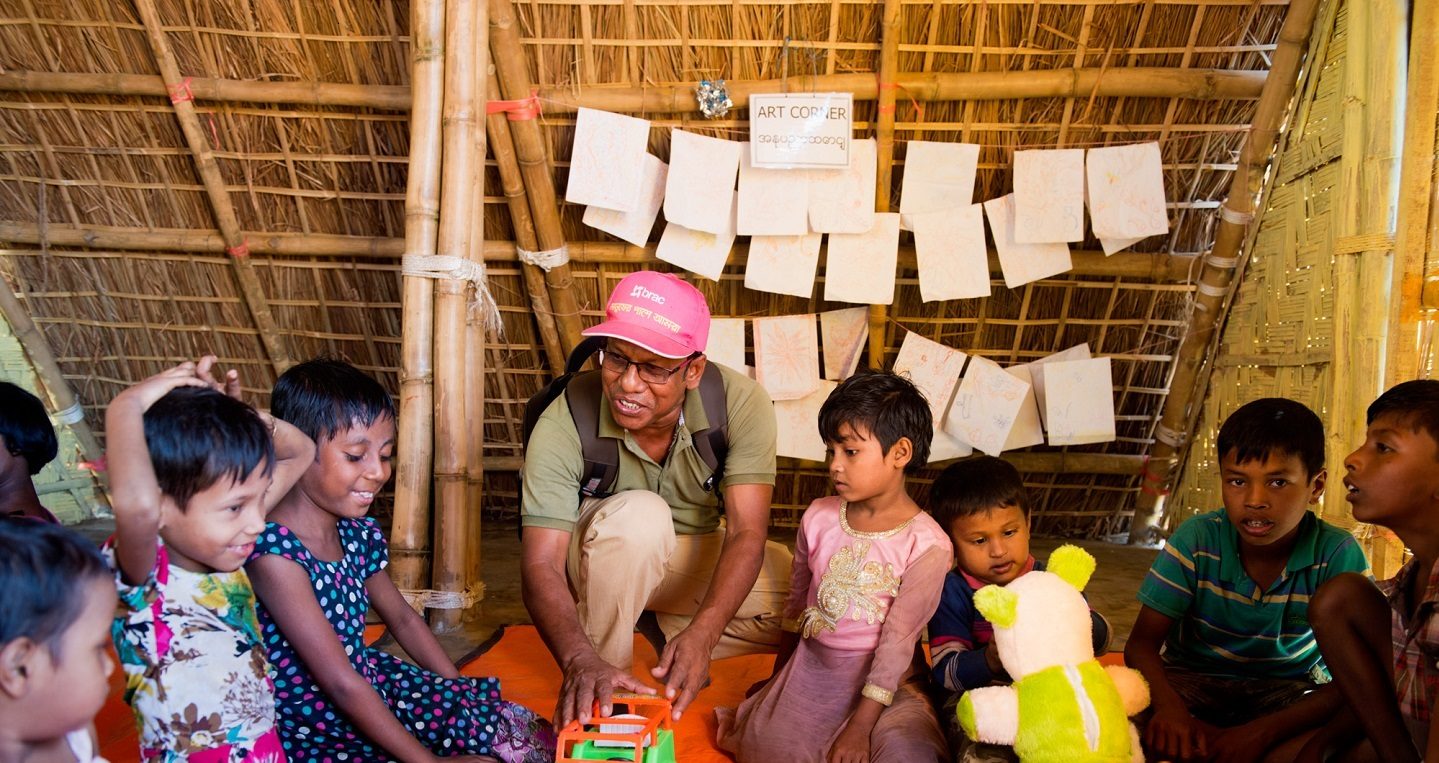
[1112,591]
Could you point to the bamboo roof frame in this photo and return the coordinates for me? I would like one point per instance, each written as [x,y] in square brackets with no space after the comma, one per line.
[309,130]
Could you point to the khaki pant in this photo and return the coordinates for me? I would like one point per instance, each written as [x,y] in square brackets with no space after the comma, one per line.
[625,558]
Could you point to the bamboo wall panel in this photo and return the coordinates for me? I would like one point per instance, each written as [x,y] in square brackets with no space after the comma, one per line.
[120,162]
[1279,339]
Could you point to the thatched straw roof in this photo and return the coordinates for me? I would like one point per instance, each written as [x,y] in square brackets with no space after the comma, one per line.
[114,249]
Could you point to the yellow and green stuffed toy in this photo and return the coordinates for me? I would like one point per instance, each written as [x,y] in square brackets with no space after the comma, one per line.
[1063,706]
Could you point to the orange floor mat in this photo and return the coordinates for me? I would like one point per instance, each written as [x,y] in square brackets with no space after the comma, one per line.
[529,676]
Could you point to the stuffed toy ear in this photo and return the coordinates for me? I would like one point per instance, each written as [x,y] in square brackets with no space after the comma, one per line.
[998,604]
[1072,564]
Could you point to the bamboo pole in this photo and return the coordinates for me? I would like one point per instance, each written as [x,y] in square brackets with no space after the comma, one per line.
[678,98]
[1416,187]
[502,145]
[1365,202]
[184,106]
[1158,267]
[451,341]
[514,78]
[410,528]
[1220,265]
[475,323]
[884,142]
[62,397]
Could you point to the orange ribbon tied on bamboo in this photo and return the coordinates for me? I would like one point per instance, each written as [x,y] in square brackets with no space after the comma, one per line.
[918,109]
[181,92]
[1151,483]
[517,110]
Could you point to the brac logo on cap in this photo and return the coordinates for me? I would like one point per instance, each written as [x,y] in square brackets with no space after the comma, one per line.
[643,293]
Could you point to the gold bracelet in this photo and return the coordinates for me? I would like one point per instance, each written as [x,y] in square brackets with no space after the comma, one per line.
[882,696]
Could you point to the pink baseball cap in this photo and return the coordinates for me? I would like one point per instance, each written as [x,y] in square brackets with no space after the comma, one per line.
[658,312]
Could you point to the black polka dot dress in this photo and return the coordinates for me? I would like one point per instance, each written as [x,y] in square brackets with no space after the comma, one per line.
[463,716]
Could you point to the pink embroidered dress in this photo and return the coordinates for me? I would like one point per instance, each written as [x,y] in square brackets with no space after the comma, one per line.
[859,601]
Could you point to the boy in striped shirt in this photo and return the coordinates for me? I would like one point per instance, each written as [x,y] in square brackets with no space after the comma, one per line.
[1223,635]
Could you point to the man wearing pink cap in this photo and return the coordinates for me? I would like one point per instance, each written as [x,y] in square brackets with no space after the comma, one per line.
[593,566]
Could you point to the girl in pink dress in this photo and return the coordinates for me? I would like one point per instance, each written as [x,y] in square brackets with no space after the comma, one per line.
[869,566]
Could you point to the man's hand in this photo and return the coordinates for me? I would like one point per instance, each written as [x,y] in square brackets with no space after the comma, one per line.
[1174,733]
[685,666]
[589,679]
[1242,744]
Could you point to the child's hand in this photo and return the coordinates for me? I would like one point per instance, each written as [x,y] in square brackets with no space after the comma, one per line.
[1174,733]
[229,387]
[144,394]
[992,661]
[852,746]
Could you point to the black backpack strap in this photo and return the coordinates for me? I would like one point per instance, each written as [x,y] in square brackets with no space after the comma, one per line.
[583,352]
[713,443]
[601,454]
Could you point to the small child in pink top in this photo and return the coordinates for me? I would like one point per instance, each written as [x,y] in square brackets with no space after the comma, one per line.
[868,569]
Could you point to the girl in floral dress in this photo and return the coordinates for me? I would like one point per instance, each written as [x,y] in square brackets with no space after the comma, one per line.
[318,567]
[191,469]
[868,569]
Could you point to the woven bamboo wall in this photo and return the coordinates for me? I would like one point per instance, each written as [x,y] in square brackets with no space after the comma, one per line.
[65,489]
[1279,338]
[101,161]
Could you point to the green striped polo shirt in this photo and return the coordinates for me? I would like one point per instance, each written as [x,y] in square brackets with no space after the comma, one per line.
[1223,623]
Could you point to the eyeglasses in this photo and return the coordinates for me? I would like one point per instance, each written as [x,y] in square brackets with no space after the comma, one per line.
[649,372]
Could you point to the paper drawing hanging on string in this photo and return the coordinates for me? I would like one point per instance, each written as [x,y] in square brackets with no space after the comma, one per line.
[634,227]
[701,181]
[783,264]
[860,267]
[1049,196]
[607,161]
[786,355]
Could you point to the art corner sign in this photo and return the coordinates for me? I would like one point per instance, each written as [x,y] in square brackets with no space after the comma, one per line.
[801,131]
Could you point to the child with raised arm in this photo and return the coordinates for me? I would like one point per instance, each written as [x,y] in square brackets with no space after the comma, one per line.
[318,567]
[868,567]
[1381,642]
[1222,634]
[193,471]
[56,600]
[981,502]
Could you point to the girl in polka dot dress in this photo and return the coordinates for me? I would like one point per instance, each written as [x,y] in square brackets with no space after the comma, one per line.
[320,564]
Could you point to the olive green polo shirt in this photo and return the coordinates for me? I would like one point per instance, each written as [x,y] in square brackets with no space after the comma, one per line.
[554,462]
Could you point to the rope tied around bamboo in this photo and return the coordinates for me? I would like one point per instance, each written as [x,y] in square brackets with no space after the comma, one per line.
[546,260]
[426,598]
[452,268]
